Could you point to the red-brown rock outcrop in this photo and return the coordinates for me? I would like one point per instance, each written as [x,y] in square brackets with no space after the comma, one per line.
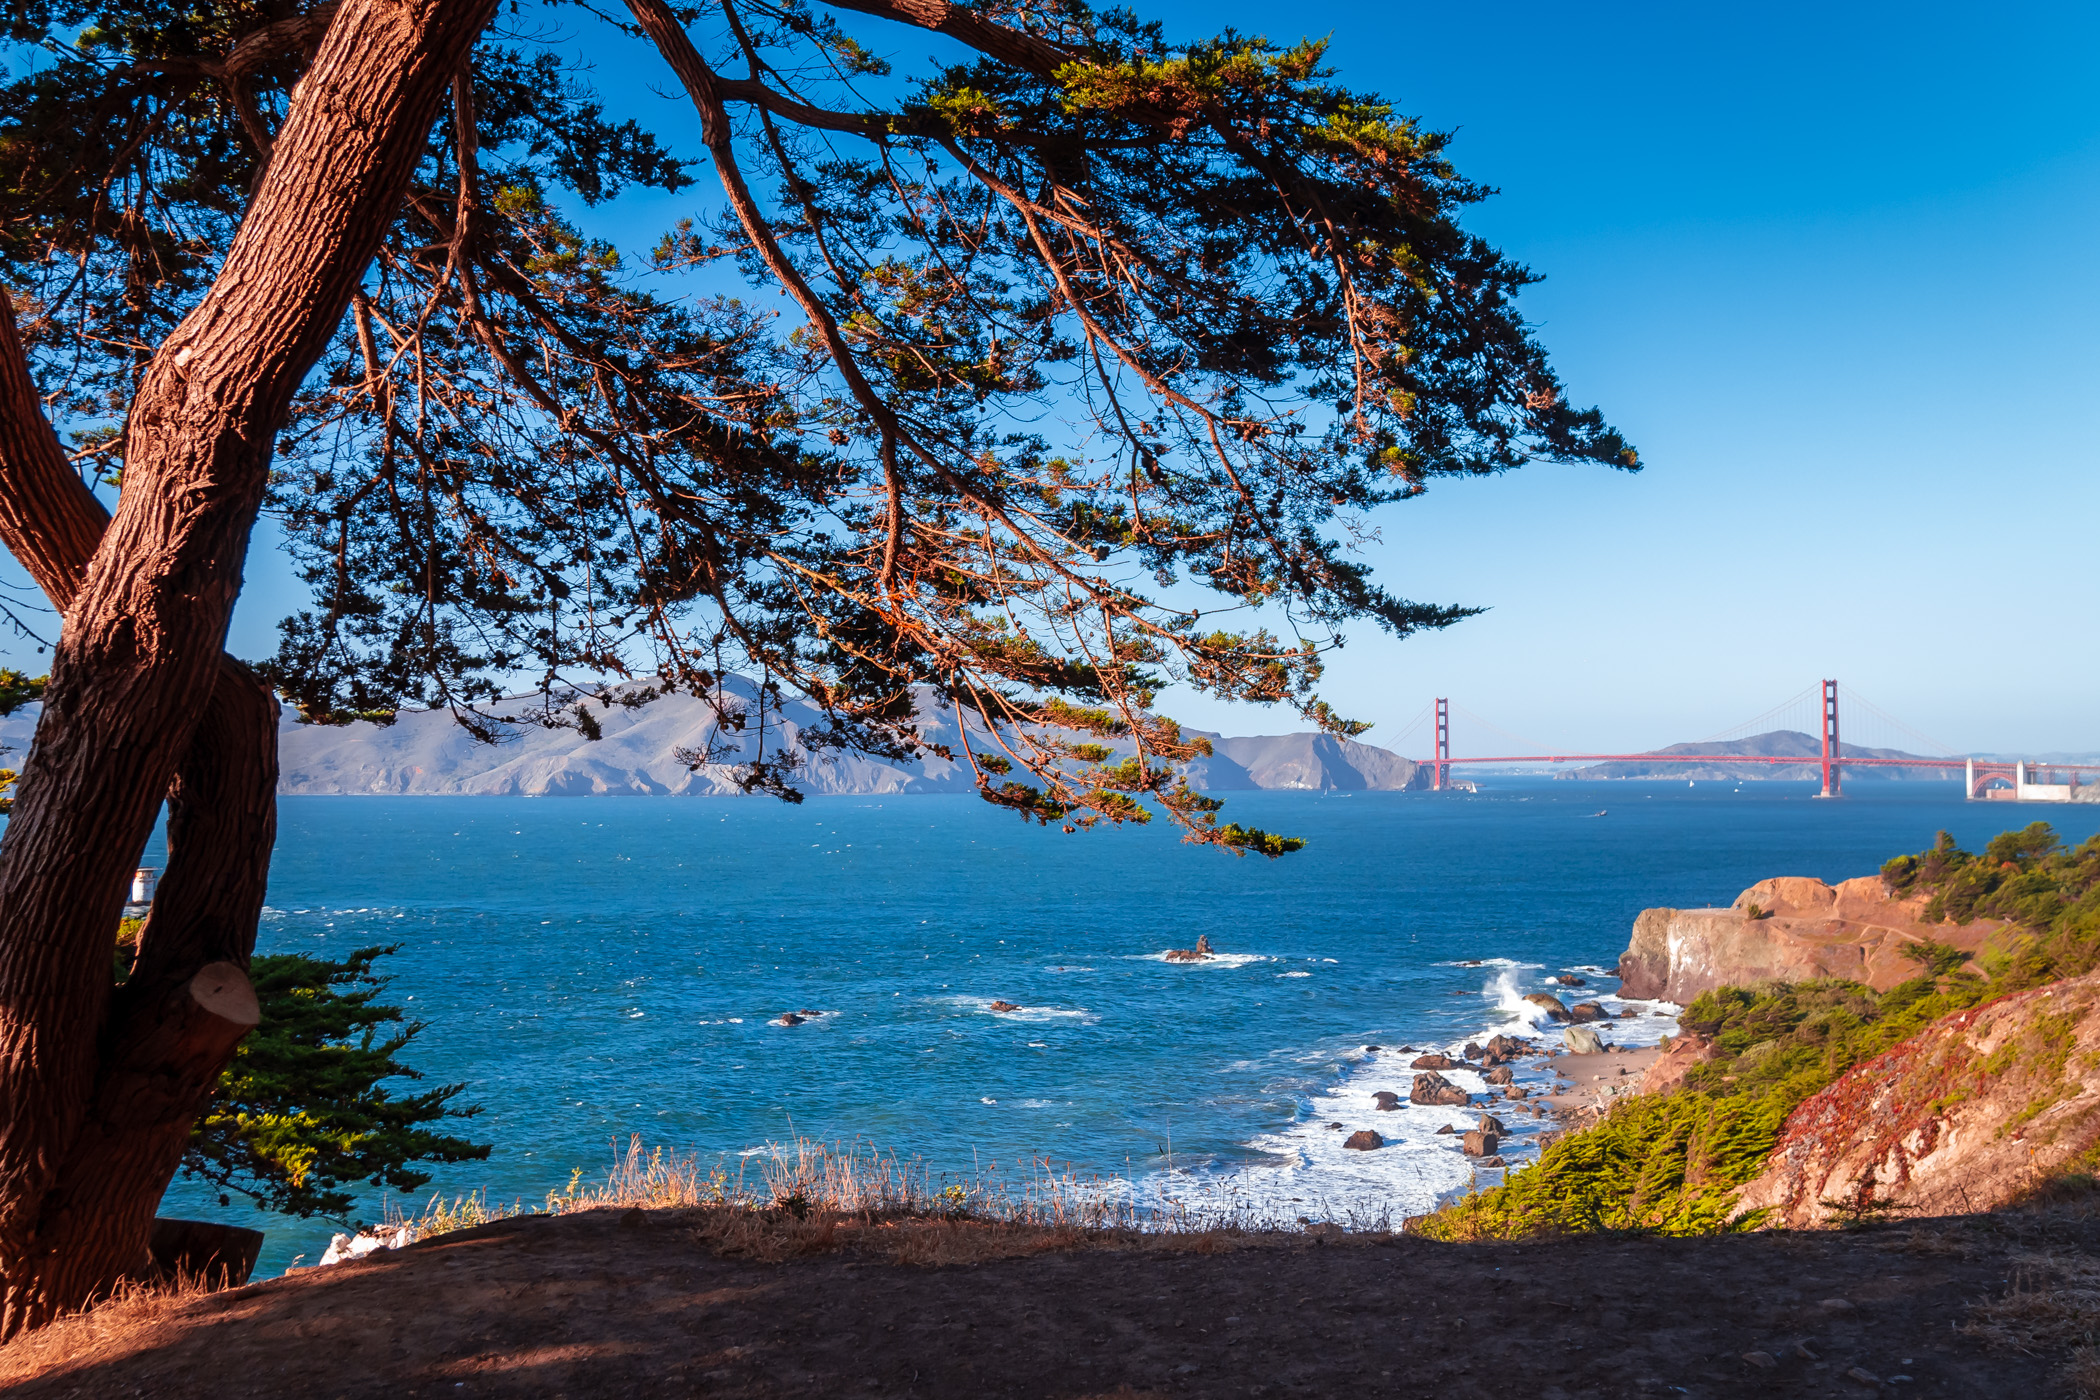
[1679,1053]
[1554,1008]
[1965,1116]
[1433,1088]
[1802,929]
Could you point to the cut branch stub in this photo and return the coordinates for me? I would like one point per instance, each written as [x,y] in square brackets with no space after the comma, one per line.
[173,1043]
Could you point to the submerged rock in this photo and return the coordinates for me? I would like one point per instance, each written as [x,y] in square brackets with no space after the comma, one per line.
[1364,1140]
[1004,1006]
[1386,1100]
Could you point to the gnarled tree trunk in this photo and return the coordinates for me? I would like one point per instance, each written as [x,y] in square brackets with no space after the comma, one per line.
[96,1092]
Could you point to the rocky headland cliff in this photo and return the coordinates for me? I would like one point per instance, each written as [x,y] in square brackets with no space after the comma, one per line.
[1975,1111]
[1790,929]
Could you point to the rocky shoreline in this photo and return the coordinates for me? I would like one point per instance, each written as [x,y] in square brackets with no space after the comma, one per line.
[1956,1095]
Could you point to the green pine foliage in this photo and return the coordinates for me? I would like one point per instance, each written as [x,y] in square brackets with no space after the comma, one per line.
[1672,1163]
[304,1113]
[2027,877]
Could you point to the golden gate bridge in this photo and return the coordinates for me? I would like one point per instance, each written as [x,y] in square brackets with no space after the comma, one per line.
[1982,777]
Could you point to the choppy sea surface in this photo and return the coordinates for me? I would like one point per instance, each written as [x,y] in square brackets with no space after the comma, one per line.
[593,968]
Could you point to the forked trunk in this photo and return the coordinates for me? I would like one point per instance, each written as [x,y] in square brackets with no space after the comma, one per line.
[97,1093]
[222,819]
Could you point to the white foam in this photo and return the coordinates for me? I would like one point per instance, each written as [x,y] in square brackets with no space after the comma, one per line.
[1488,962]
[807,1018]
[1310,1176]
[1214,960]
[1508,998]
[1022,1013]
[1294,974]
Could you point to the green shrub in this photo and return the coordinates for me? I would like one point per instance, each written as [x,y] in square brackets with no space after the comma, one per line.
[304,1112]
[2027,878]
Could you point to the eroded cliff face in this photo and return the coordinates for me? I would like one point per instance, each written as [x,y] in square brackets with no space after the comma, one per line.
[1807,930]
[1967,1115]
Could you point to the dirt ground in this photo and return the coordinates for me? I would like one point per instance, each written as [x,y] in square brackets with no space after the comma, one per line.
[610,1303]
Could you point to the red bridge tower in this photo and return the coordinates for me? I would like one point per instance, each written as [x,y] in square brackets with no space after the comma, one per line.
[1833,773]
[1443,745]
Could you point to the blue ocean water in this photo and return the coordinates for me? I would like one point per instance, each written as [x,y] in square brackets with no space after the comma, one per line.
[594,968]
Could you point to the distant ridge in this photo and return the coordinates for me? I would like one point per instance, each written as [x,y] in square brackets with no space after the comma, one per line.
[427,753]
[1778,743]
[1305,762]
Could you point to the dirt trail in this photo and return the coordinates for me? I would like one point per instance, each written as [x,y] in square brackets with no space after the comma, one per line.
[618,1305]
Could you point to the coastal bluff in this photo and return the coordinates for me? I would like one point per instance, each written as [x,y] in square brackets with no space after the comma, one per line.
[1788,929]
[1974,1112]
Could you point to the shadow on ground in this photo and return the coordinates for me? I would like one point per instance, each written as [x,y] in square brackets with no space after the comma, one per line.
[634,1304]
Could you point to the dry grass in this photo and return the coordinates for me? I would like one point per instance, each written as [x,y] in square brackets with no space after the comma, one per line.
[2081,1374]
[806,1176]
[2052,1303]
[807,1197]
[132,1307]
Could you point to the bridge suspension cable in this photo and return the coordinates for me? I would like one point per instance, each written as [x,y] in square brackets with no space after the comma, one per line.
[1793,708]
[1392,741]
[1854,698]
[1519,740]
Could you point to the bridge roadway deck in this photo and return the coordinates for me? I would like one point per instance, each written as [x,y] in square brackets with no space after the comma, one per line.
[1816,759]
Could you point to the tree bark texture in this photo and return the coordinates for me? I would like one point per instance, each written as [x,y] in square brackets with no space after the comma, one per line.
[93,1103]
[222,823]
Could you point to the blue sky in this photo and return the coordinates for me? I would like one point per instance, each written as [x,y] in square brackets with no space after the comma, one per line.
[1832,268]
